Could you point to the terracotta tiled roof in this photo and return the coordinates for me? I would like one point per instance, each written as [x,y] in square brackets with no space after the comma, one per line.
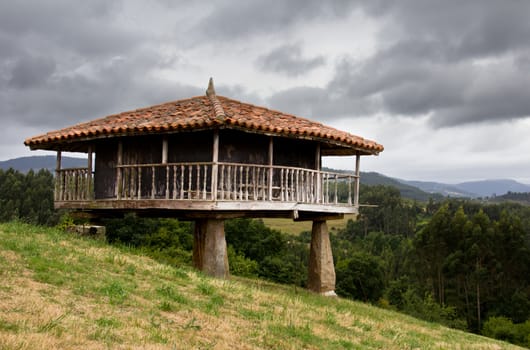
[202,112]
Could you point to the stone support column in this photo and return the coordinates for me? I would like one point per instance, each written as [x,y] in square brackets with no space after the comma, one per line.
[209,248]
[321,276]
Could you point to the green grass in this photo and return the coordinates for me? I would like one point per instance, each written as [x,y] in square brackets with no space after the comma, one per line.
[59,291]
[296,227]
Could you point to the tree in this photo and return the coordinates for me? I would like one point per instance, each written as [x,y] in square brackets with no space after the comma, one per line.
[360,277]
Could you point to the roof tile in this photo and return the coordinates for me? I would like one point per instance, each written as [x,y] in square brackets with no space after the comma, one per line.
[201,112]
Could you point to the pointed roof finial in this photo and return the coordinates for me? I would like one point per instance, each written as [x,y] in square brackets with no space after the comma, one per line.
[211,90]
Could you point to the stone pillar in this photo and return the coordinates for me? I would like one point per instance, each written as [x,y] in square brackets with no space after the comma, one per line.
[209,248]
[321,276]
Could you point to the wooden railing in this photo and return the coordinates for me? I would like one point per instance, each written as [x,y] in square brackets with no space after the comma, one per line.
[73,184]
[216,181]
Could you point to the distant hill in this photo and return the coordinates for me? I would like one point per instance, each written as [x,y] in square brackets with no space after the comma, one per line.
[406,191]
[441,188]
[471,189]
[24,164]
[491,188]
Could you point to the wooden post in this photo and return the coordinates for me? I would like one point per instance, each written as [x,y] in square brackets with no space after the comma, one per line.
[357,178]
[89,175]
[209,248]
[58,177]
[119,161]
[321,273]
[271,162]
[164,150]
[318,167]
[215,160]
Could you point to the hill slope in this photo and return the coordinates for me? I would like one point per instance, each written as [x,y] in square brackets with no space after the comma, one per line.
[406,190]
[63,292]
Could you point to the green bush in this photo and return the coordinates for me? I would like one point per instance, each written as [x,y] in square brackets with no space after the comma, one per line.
[241,266]
[428,309]
[503,328]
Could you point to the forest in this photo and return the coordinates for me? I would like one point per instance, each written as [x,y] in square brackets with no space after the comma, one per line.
[462,263]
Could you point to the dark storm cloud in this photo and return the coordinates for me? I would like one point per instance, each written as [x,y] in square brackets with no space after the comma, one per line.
[112,87]
[236,19]
[31,72]
[62,62]
[288,59]
[458,62]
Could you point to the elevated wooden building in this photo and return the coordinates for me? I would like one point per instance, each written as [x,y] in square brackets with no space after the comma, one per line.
[209,158]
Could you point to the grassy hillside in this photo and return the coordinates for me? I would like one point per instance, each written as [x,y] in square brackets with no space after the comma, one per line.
[58,291]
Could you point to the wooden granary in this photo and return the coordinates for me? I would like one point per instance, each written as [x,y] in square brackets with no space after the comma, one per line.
[209,158]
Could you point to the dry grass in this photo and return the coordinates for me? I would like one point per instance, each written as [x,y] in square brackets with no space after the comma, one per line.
[63,292]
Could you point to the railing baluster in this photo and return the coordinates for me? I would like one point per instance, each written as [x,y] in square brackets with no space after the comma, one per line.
[167,181]
[139,171]
[310,198]
[282,187]
[222,182]
[234,187]
[133,183]
[349,190]
[240,182]
[336,193]
[255,182]
[174,182]
[246,183]
[182,182]
[153,184]
[204,193]
[198,189]
[190,171]
[326,185]
[125,179]
[228,182]
[264,186]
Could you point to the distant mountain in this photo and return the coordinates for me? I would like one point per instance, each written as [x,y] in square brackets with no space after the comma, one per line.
[471,189]
[24,164]
[491,188]
[441,188]
[406,191]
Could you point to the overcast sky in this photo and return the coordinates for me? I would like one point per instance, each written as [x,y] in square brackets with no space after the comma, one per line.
[444,85]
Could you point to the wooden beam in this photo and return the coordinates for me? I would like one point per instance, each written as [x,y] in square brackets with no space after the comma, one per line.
[308,216]
[58,161]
